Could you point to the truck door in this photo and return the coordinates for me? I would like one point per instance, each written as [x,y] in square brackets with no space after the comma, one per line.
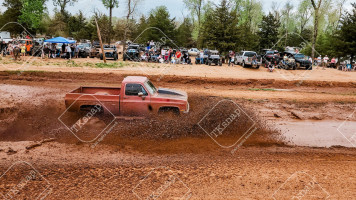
[136,100]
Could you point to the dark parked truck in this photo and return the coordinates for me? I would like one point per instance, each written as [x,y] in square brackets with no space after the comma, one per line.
[110,52]
[132,53]
[136,97]
[300,60]
[214,58]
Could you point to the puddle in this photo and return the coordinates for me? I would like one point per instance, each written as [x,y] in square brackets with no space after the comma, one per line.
[319,133]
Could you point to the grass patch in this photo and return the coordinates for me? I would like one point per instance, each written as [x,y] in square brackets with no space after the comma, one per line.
[109,65]
[71,63]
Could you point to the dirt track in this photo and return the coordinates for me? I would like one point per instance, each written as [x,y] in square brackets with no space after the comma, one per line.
[32,102]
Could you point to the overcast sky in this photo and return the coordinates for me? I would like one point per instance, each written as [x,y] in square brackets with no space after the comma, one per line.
[175,7]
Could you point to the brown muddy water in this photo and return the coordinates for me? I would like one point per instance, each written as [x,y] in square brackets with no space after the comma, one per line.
[319,133]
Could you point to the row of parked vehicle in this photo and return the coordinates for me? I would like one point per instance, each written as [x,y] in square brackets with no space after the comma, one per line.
[289,59]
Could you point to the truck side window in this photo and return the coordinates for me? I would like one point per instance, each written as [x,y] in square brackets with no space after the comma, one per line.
[134,89]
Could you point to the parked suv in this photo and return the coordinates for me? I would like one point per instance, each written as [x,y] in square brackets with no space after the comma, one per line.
[110,52]
[300,60]
[245,58]
[84,50]
[132,53]
[193,51]
[214,57]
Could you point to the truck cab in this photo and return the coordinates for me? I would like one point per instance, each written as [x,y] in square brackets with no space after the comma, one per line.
[136,97]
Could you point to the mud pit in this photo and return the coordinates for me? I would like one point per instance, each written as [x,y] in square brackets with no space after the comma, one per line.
[173,157]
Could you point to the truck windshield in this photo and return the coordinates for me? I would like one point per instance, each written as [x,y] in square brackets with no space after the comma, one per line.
[150,87]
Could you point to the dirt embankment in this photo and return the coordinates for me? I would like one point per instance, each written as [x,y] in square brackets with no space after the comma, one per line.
[110,77]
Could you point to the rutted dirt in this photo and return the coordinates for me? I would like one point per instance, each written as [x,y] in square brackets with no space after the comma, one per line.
[32,102]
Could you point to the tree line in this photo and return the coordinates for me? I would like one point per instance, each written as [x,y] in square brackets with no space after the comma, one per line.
[324,27]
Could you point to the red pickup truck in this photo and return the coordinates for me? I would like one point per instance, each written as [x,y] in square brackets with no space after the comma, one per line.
[136,97]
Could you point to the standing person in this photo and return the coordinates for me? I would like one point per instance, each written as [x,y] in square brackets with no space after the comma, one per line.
[163,52]
[69,52]
[170,54]
[11,49]
[16,51]
[201,56]
[152,44]
[2,48]
[319,60]
[178,56]
[76,51]
[64,49]
[326,60]
[231,56]
[53,50]
[333,62]
[23,50]
[73,50]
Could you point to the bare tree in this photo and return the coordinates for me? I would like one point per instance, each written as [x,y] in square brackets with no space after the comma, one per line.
[287,14]
[63,3]
[131,6]
[304,14]
[316,5]
[110,4]
[275,10]
[196,8]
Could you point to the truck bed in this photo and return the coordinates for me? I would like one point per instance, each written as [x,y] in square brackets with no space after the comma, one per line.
[108,97]
[97,91]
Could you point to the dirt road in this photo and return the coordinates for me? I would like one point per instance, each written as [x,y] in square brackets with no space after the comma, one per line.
[175,158]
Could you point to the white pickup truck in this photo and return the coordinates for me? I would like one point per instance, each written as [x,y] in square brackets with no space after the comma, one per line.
[5,36]
[245,58]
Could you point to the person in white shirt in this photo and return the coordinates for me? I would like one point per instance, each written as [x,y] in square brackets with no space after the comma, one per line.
[152,44]
[69,52]
[326,60]
[319,60]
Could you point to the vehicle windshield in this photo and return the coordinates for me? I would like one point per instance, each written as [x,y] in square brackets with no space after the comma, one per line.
[270,52]
[86,45]
[250,54]
[150,87]
[80,46]
[299,56]
[133,47]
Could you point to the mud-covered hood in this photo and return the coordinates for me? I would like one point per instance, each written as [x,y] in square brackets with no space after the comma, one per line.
[171,94]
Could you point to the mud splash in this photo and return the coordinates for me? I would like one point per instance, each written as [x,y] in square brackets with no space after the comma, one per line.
[26,122]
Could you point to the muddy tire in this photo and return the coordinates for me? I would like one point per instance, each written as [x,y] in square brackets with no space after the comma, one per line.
[168,112]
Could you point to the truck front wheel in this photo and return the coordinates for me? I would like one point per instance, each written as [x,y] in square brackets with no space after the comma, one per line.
[169,111]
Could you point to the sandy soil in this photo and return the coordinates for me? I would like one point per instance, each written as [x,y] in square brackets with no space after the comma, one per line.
[85,65]
[174,158]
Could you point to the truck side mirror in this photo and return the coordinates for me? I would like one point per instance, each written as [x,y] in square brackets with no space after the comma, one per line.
[140,94]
